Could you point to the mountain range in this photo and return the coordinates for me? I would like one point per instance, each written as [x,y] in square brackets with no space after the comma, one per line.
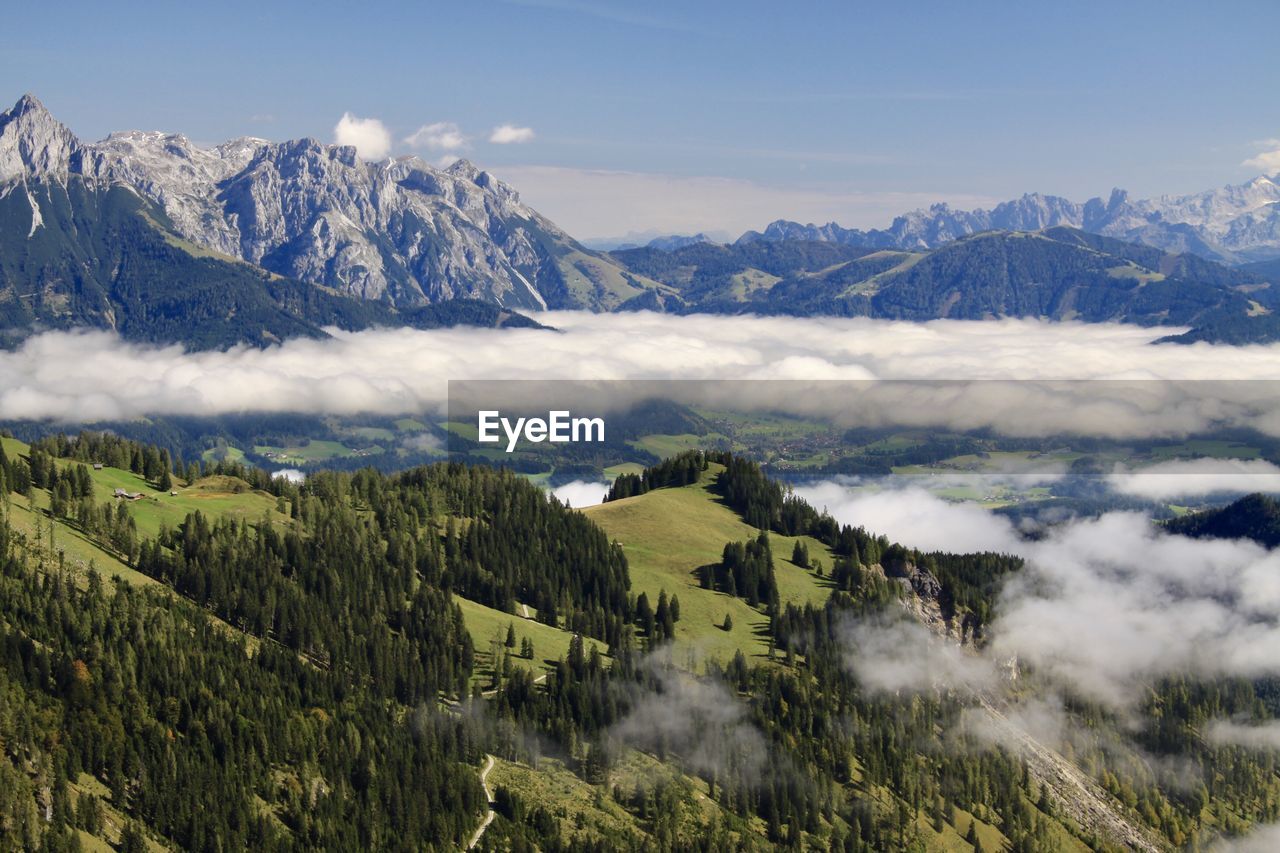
[1233,225]
[1057,273]
[253,241]
[399,233]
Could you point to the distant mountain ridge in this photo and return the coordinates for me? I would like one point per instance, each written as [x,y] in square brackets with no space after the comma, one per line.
[1057,273]
[399,230]
[1234,224]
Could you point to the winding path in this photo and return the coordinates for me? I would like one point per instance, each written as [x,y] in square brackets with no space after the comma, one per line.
[489,815]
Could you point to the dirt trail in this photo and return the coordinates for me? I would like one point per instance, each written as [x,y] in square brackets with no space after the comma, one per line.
[489,815]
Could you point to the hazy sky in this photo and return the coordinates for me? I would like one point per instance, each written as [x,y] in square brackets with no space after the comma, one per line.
[613,116]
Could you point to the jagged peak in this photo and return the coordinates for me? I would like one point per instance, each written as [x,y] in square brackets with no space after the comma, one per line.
[28,103]
[463,168]
[33,142]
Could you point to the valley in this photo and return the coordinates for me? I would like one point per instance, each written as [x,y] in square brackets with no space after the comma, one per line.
[708,656]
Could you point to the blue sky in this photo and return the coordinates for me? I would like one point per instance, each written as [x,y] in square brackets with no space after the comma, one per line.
[672,116]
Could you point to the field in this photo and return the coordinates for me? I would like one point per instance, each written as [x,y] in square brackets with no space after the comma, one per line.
[664,446]
[223,454]
[314,450]
[214,496]
[668,533]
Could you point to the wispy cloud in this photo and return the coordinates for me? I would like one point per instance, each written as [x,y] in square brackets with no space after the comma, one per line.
[438,136]
[510,134]
[1256,735]
[1265,839]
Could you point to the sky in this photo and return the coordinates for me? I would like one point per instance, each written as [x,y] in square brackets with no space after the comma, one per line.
[613,117]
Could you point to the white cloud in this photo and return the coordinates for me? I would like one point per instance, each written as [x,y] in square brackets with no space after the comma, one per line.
[1264,735]
[370,136]
[94,376]
[1268,161]
[440,136]
[696,718]
[510,134]
[426,442]
[896,654]
[1107,603]
[600,204]
[293,475]
[581,493]
[1183,478]
[915,517]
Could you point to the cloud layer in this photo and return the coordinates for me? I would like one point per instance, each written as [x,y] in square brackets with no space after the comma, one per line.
[86,376]
[1196,478]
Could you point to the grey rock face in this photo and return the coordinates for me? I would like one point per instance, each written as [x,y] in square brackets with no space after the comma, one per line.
[400,230]
[33,143]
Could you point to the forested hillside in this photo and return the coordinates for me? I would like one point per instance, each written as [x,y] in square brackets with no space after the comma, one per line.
[219,660]
[1255,517]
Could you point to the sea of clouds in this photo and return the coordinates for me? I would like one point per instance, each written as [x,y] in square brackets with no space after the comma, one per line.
[86,376]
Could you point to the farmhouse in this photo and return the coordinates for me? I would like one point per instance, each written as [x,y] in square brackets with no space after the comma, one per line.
[128,496]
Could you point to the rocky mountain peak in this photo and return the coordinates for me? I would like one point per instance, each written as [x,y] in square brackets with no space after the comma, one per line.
[33,142]
[399,230]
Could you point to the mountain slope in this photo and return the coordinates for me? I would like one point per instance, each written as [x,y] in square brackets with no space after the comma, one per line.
[1057,273]
[1233,224]
[354,658]
[1255,517]
[399,231]
[81,254]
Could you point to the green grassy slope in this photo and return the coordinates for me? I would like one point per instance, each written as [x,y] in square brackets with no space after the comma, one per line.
[485,624]
[214,496]
[668,533]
